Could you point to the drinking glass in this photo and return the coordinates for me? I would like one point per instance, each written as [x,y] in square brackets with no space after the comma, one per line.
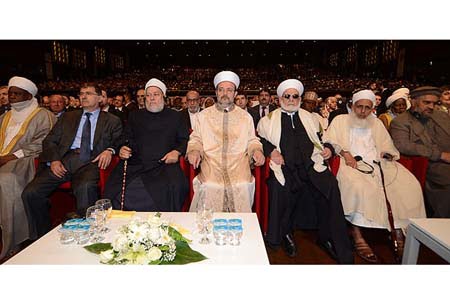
[107,206]
[204,218]
[95,216]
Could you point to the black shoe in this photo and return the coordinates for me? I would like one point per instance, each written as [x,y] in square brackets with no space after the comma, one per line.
[328,248]
[288,244]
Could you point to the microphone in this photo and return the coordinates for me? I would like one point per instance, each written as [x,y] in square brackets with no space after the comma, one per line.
[358,158]
[388,156]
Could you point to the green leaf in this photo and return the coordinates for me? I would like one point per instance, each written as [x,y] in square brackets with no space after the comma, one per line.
[98,247]
[177,236]
[185,255]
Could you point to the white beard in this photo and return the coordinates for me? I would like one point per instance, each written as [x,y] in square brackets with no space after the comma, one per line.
[356,122]
[290,108]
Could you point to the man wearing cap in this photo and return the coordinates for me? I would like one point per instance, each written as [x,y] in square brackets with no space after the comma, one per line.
[81,142]
[309,103]
[424,131]
[263,108]
[223,144]
[21,133]
[154,139]
[362,142]
[303,192]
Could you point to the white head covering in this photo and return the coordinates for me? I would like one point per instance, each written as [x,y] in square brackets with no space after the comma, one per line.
[402,90]
[23,83]
[226,76]
[288,84]
[394,97]
[157,83]
[364,94]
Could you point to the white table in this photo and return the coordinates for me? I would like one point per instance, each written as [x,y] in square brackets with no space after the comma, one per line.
[433,233]
[48,249]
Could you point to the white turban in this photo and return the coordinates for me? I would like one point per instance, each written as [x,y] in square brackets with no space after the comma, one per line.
[364,94]
[394,97]
[402,90]
[157,83]
[24,84]
[290,84]
[226,76]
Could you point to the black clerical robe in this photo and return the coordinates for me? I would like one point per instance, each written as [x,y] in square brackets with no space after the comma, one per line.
[309,199]
[151,184]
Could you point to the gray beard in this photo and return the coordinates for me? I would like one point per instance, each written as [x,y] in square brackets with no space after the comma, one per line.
[290,108]
[356,122]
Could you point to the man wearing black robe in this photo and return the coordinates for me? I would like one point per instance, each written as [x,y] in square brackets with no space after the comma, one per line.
[302,191]
[154,138]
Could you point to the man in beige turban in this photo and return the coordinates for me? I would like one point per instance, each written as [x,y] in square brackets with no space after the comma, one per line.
[223,143]
[22,131]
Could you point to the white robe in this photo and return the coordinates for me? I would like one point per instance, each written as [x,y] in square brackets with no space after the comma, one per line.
[226,142]
[362,194]
[17,173]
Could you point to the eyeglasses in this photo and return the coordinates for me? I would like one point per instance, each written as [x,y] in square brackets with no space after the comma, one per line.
[87,94]
[295,96]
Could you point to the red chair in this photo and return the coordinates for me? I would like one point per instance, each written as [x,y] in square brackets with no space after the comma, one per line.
[417,165]
[63,201]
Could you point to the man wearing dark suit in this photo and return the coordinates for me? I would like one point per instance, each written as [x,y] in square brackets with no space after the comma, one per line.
[119,109]
[193,107]
[424,131]
[263,109]
[128,103]
[81,142]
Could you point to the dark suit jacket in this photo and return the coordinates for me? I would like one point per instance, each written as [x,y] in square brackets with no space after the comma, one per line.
[254,112]
[123,114]
[337,112]
[185,115]
[131,106]
[57,144]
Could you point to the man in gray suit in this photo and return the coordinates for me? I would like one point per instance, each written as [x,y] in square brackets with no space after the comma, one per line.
[423,131]
[81,142]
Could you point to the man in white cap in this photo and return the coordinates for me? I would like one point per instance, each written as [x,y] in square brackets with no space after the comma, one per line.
[396,105]
[303,192]
[425,131]
[81,142]
[154,140]
[223,144]
[21,133]
[367,170]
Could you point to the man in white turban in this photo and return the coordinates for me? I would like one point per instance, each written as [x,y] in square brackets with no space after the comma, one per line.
[396,105]
[367,152]
[303,192]
[22,131]
[223,143]
[157,137]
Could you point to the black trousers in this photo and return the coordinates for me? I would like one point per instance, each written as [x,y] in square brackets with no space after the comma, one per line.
[287,209]
[84,180]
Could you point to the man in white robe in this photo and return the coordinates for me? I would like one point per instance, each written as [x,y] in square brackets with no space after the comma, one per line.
[21,133]
[223,143]
[361,134]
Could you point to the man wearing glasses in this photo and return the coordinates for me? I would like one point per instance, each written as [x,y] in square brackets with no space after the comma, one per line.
[302,191]
[81,142]
[376,191]
[223,144]
[193,107]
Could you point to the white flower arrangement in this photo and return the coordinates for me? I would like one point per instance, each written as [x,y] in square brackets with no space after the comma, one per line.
[151,241]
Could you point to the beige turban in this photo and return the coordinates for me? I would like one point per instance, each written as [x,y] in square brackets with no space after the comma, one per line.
[226,76]
[157,83]
[24,84]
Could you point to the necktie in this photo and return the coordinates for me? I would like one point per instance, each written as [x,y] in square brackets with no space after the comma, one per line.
[85,147]
[263,111]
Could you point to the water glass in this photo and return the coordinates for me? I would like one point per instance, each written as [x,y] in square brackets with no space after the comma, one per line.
[81,234]
[234,235]
[107,206]
[220,233]
[95,215]
[66,235]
